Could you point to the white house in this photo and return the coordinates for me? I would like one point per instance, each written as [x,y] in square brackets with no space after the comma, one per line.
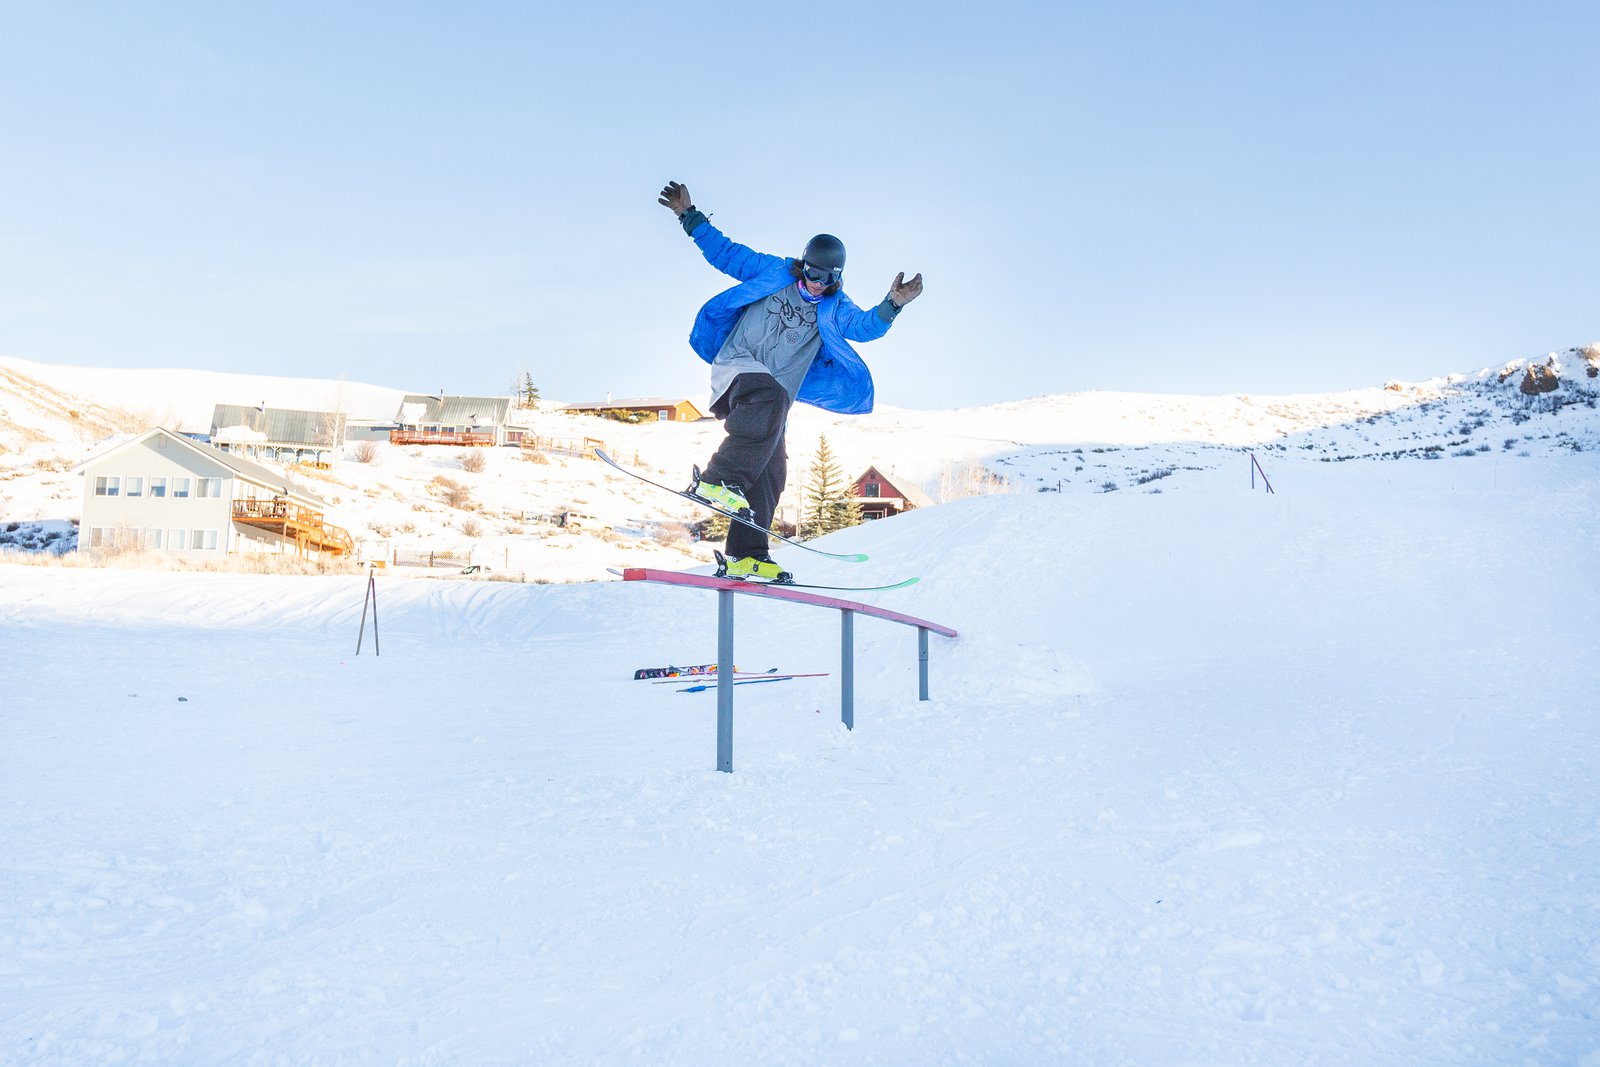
[279,434]
[162,492]
[451,420]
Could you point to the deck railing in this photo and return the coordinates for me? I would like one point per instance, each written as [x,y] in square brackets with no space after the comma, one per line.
[417,437]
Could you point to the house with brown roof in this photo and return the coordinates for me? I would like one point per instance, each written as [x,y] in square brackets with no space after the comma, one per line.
[664,409]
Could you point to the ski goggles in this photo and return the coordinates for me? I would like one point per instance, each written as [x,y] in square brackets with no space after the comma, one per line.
[820,275]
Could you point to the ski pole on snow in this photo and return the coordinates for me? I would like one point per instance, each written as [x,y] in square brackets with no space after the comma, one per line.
[744,681]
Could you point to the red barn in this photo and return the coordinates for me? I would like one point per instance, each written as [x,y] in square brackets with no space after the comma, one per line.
[881,497]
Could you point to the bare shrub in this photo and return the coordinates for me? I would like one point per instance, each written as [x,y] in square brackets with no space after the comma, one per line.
[536,457]
[474,461]
[366,452]
[452,492]
[960,480]
[472,528]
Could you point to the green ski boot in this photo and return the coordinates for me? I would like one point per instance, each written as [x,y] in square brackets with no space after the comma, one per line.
[728,497]
[760,567]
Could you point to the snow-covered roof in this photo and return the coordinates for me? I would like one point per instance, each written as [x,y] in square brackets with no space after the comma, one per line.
[252,472]
[277,426]
[418,410]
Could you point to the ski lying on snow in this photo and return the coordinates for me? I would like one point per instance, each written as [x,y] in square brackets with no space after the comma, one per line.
[848,557]
[797,585]
[748,681]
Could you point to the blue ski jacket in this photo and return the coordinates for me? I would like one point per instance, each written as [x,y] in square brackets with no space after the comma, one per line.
[838,379]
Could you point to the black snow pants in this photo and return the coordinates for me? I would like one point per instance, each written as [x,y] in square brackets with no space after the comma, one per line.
[754,413]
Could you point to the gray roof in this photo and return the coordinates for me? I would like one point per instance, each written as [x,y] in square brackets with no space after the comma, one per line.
[280,426]
[418,410]
[265,477]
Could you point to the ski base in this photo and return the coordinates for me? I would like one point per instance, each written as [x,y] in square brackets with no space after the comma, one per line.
[695,671]
[794,585]
[813,585]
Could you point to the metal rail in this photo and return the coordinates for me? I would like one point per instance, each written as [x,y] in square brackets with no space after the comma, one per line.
[727,588]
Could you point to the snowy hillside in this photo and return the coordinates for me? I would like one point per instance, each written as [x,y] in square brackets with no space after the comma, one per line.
[420,500]
[1209,777]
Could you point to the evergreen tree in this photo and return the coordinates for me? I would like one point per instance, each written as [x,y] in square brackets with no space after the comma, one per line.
[828,500]
[528,391]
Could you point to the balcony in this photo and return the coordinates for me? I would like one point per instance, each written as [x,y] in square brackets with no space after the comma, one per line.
[303,526]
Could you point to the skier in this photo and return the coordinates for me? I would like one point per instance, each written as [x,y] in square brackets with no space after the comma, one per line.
[778,336]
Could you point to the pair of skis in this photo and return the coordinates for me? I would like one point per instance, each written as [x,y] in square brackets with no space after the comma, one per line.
[848,557]
[677,675]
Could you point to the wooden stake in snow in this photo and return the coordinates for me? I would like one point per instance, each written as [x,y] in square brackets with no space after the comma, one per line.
[370,598]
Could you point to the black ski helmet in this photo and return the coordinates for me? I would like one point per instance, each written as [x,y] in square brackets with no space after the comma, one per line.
[825,251]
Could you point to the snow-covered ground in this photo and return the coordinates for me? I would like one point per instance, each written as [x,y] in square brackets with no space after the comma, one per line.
[1211,776]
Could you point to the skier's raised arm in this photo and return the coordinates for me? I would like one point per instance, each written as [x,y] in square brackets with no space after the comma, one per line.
[730,257]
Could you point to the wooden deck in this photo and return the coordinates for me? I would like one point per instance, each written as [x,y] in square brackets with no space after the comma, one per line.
[303,526]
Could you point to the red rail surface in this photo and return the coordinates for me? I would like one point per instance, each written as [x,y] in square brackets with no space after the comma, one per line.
[778,592]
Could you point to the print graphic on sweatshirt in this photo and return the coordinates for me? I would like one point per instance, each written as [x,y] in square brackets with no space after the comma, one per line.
[793,316]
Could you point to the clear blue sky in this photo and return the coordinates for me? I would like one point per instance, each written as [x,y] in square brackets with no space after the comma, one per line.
[1196,197]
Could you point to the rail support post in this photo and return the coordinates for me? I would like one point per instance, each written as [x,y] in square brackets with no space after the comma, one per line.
[922,663]
[725,680]
[847,668]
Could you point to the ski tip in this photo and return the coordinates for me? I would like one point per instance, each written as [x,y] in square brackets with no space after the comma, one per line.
[843,557]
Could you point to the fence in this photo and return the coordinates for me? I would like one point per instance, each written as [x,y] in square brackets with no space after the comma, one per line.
[565,446]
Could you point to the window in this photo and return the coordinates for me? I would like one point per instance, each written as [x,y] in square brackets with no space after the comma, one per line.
[208,487]
[153,538]
[101,536]
[107,486]
[872,489]
[134,487]
[180,488]
[178,540]
[158,487]
[205,540]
